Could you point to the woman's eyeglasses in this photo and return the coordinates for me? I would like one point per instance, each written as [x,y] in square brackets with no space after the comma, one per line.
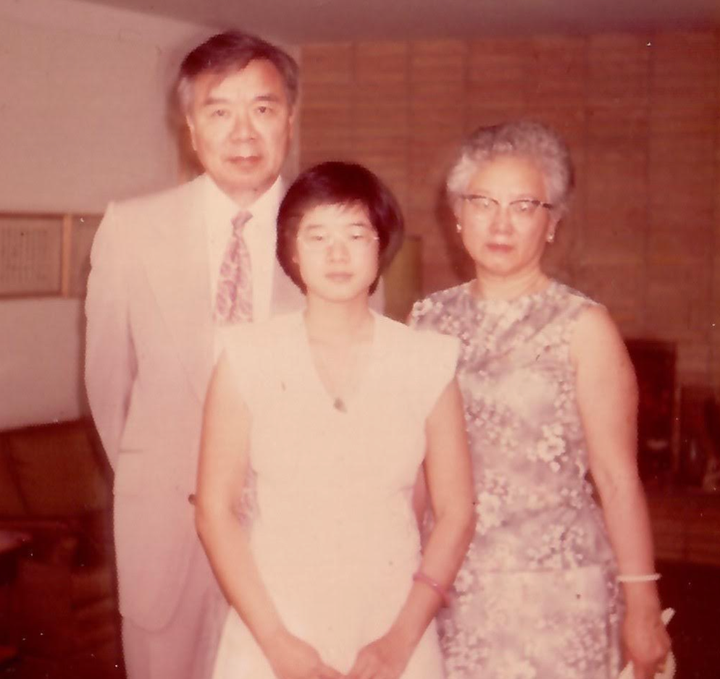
[354,238]
[486,209]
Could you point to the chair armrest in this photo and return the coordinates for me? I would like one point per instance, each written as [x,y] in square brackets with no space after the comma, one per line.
[50,540]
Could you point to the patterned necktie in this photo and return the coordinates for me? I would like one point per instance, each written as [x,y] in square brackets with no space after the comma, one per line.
[233,303]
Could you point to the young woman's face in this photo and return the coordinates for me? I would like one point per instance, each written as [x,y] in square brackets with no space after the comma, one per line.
[504,218]
[337,252]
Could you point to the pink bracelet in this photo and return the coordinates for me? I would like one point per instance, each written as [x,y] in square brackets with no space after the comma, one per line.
[419,576]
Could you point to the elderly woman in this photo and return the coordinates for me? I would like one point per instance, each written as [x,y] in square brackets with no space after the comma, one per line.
[550,400]
[334,411]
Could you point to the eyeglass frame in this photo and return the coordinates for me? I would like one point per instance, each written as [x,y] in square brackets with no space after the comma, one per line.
[338,235]
[469,197]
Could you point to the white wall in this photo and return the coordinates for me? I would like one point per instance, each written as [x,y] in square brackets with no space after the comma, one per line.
[84,108]
[41,361]
[83,116]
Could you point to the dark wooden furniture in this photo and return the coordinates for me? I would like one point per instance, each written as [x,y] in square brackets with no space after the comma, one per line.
[654,363]
[56,486]
[11,545]
[686,525]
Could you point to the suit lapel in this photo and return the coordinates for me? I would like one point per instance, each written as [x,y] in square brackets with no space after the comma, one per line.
[175,254]
[176,261]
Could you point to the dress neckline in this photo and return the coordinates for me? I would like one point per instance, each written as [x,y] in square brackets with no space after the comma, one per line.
[335,403]
[523,300]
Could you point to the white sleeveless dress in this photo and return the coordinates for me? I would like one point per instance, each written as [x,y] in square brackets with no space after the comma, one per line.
[332,528]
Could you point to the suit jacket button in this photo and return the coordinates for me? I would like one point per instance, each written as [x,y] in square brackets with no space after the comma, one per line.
[191,498]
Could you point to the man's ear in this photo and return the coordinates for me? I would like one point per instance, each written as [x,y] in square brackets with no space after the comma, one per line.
[191,130]
[291,123]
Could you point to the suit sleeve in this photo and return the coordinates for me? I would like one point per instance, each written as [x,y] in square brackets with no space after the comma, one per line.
[110,364]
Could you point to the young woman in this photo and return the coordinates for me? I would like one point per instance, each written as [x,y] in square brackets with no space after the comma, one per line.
[334,413]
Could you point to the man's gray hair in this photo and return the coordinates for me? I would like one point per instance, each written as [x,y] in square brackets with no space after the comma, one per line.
[232,51]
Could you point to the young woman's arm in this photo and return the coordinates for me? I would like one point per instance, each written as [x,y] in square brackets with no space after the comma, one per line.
[607,399]
[449,482]
[222,471]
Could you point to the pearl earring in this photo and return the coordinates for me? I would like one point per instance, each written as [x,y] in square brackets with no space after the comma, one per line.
[551,238]
[458,227]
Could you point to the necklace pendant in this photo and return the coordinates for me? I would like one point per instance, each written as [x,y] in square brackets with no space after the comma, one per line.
[339,405]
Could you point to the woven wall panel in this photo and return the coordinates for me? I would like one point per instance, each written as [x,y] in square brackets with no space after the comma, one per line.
[640,113]
[678,297]
[693,358]
[437,93]
[497,73]
[385,62]
[479,115]
[617,283]
[625,126]
[327,63]
[613,229]
[557,75]
[618,71]
[685,69]
[323,96]
[438,61]
[665,242]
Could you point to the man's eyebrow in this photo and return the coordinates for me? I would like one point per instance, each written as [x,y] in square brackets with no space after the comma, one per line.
[268,97]
[213,99]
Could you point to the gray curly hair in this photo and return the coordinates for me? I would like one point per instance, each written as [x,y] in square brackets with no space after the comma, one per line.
[526,138]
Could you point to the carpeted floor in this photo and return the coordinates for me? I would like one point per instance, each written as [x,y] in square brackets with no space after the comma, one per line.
[693,591]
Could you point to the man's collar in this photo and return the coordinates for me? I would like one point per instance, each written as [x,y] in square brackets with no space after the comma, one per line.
[217,201]
[270,200]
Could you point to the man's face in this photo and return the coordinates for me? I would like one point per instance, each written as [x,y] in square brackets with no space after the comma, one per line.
[241,125]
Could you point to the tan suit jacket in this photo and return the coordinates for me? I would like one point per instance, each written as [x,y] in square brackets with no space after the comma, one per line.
[149,358]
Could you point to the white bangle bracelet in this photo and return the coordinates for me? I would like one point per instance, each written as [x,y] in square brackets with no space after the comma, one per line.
[650,577]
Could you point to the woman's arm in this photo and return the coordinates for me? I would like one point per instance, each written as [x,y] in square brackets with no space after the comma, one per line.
[223,465]
[608,400]
[420,499]
[449,482]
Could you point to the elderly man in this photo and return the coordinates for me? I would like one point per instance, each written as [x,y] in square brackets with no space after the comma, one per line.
[168,272]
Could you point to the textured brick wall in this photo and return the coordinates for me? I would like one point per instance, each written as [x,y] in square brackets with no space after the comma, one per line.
[640,113]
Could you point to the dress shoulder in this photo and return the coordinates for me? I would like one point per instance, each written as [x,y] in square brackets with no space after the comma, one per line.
[420,343]
[428,359]
[252,349]
[439,360]
[426,311]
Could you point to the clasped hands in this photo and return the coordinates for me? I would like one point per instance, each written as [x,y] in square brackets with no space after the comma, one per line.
[384,658]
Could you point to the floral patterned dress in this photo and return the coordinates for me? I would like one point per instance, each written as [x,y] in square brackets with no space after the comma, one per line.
[537,596]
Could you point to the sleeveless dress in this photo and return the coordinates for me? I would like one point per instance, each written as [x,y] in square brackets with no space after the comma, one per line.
[536,597]
[331,523]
